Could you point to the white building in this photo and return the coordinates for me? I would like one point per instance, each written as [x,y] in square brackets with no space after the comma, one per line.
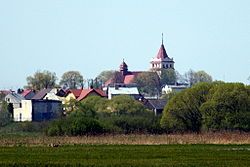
[123,90]
[173,88]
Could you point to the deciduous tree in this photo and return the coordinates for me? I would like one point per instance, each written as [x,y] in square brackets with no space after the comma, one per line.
[193,77]
[168,76]
[72,79]
[148,83]
[41,80]
[106,75]
[182,112]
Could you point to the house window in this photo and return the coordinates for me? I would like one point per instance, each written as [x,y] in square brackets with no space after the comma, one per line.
[20,105]
[20,117]
[8,99]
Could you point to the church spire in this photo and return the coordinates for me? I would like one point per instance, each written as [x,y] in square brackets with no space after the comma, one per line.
[162,38]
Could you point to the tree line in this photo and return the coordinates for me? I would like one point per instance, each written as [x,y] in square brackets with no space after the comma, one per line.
[209,107]
[149,83]
[205,107]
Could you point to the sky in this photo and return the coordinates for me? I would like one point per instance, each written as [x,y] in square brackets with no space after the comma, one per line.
[92,36]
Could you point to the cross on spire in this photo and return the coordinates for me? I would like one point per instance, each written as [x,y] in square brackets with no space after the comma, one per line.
[162,38]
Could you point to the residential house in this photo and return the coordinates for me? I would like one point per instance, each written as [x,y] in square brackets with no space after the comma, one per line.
[123,89]
[72,94]
[156,105]
[28,94]
[174,88]
[47,94]
[14,99]
[91,92]
[37,110]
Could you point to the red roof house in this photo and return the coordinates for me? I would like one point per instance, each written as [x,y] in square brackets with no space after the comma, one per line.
[88,92]
[81,94]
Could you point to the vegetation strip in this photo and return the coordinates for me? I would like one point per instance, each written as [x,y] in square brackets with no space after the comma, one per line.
[30,139]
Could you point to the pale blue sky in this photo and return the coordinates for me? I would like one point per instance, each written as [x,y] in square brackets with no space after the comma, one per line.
[92,36]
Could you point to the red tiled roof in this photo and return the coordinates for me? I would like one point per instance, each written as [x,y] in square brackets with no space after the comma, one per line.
[26,92]
[162,53]
[128,79]
[86,92]
[100,92]
[76,92]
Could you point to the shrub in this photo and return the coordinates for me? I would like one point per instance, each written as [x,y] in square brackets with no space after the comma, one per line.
[76,124]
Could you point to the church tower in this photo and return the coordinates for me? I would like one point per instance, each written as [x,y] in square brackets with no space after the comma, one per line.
[161,61]
[124,68]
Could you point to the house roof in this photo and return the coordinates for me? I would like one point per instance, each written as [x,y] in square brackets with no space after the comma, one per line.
[61,93]
[86,92]
[41,94]
[26,92]
[15,98]
[158,103]
[76,92]
[123,90]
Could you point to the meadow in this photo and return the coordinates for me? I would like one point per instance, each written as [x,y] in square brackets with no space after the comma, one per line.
[126,155]
[184,149]
[38,139]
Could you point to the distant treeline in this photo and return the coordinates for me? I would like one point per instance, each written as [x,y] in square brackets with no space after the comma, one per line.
[204,107]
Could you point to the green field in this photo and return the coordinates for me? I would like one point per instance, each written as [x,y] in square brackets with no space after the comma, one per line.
[126,155]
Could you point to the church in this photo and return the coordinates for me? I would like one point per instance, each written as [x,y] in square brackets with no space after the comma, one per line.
[159,62]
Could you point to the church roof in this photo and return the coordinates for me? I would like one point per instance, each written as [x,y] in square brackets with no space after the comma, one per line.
[162,54]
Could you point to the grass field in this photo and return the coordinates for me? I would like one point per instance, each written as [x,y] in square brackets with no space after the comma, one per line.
[127,155]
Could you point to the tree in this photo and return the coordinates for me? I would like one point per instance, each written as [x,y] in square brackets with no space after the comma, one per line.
[124,104]
[5,116]
[2,96]
[148,83]
[168,76]
[193,77]
[72,79]
[227,108]
[182,113]
[41,80]
[104,76]
[97,103]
